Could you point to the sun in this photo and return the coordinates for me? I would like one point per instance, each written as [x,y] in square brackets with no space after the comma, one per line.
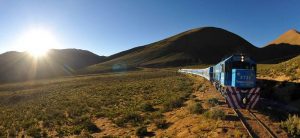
[37,42]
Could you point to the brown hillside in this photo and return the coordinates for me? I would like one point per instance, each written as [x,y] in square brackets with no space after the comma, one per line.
[291,37]
[205,45]
[19,66]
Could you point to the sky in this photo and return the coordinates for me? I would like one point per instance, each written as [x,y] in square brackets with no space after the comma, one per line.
[106,27]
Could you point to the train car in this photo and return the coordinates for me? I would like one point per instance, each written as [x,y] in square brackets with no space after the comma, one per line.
[206,73]
[235,78]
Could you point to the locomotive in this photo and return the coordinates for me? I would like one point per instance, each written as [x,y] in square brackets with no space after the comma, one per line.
[234,78]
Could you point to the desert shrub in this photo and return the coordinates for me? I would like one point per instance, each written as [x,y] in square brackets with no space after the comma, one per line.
[34,132]
[173,103]
[63,131]
[141,131]
[132,118]
[161,123]
[147,107]
[157,114]
[86,125]
[213,101]
[196,108]
[91,127]
[292,125]
[202,88]
[215,114]
[76,130]
[100,114]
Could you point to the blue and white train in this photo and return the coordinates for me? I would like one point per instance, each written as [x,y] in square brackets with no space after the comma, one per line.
[235,78]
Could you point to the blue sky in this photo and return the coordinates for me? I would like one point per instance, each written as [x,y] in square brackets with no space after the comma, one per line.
[106,27]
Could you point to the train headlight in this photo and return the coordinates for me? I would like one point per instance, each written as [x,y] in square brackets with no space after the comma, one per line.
[242,58]
[244,100]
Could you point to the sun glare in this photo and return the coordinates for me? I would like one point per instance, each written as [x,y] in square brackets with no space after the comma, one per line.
[37,42]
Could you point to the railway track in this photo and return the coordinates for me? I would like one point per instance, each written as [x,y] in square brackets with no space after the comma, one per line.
[255,127]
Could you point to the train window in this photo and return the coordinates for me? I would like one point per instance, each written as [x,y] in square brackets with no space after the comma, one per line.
[242,65]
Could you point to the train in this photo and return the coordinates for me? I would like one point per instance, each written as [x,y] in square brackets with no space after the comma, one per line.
[235,78]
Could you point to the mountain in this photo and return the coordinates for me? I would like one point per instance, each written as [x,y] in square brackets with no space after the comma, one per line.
[291,37]
[19,66]
[285,47]
[206,45]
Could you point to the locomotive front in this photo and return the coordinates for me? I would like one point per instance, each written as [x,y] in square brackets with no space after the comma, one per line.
[243,72]
[238,81]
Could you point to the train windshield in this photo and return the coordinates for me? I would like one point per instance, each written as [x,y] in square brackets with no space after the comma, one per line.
[242,65]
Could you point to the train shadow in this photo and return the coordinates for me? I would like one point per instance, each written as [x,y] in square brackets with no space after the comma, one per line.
[278,99]
[232,118]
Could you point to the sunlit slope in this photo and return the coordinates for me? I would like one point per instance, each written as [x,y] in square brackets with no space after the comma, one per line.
[198,46]
[289,70]
[19,66]
[291,37]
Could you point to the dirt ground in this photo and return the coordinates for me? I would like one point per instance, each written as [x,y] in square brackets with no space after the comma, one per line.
[182,123]
[186,124]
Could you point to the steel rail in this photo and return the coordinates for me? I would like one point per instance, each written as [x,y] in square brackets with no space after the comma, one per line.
[247,127]
[263,125]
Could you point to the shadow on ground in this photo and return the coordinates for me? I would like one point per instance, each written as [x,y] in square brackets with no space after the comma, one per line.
[278,98]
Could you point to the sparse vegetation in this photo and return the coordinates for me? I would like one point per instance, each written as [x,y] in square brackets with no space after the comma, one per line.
[292,125]
[213,102]
[215,114]
[34,132]
[196,108]
[146,107]
[132,118]
[173,102]
[141,131]
[161,123]
[68,105]
[289,68]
